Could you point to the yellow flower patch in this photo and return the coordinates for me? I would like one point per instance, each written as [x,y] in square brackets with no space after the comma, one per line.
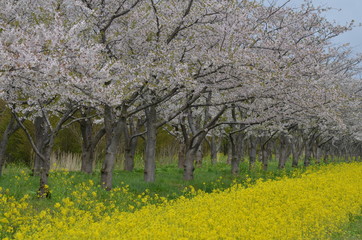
[311,206]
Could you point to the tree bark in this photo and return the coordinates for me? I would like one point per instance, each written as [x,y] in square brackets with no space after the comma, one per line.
[39,132]
[45,134]
[193,143]
[265,152]
[44,191]
[229,153]
[113,135]
[181,155]
[131,143]
[189,164]
[213,149]
[252,152]
[129,154]
[234,156]
[10,129]
[283,154]
[89,141]
[296,151]
[308,152]
[87,146]
[236,144]
[199,156]
[44,141]
[150,151]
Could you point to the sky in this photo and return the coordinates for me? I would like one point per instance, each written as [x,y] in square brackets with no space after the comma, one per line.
[343,12]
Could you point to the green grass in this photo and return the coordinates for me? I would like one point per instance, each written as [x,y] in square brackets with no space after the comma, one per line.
[169,180]
[351,231]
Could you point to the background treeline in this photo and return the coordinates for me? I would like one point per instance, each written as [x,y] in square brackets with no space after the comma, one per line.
[294,149]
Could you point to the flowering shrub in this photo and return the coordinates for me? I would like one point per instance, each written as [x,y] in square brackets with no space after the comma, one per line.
[310,206]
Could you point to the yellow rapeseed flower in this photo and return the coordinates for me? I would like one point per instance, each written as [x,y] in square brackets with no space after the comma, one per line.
[311,206]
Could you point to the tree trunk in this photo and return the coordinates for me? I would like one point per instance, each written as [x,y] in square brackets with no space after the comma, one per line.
[318,155]
[308,152]
[113,135]
[87,146]
[265,145]
[296,151]
[44,191]
[189,164]
[235,161]
[181,155]
[129,154]
[283,154]
[252,152]
[130,143]
[199,156]
[213,149]
[236,144]
[10,129]
[229,153]
[150,151]
[44,144]
[326,154]
[39,123]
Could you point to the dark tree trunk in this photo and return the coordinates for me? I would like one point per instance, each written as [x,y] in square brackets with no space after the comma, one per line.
[10,129]
[39,123]
[316,150]
[213,149]
[199,156]
[296,151]
[252,152]
[283,151]
[193,143]
[236,143]
[229,153]
[113,135]
[130,143]
[235,161]
[318,154]
[44,191]
[265,152]
[241,148]
[308,153]
[326,154]
[189,164]
[44,141]
[181,155]
[150,151]
[129,154]
[43,145]
[87,146]
[90,141]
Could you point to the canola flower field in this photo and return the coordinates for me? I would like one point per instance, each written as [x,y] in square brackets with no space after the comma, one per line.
[311,205]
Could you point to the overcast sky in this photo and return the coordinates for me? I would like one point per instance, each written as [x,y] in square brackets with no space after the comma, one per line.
[343,12]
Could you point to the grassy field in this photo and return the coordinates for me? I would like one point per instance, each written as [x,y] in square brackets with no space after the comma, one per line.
[131,193]
[168,184]
[351,230]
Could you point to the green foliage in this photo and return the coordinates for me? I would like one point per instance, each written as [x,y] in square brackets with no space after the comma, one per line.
[69,140]
[19,149]
[351,231]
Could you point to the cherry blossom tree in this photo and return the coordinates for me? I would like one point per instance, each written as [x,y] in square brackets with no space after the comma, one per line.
[197,65]
[41,54]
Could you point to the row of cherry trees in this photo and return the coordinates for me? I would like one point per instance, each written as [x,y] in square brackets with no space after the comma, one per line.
[197,69]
